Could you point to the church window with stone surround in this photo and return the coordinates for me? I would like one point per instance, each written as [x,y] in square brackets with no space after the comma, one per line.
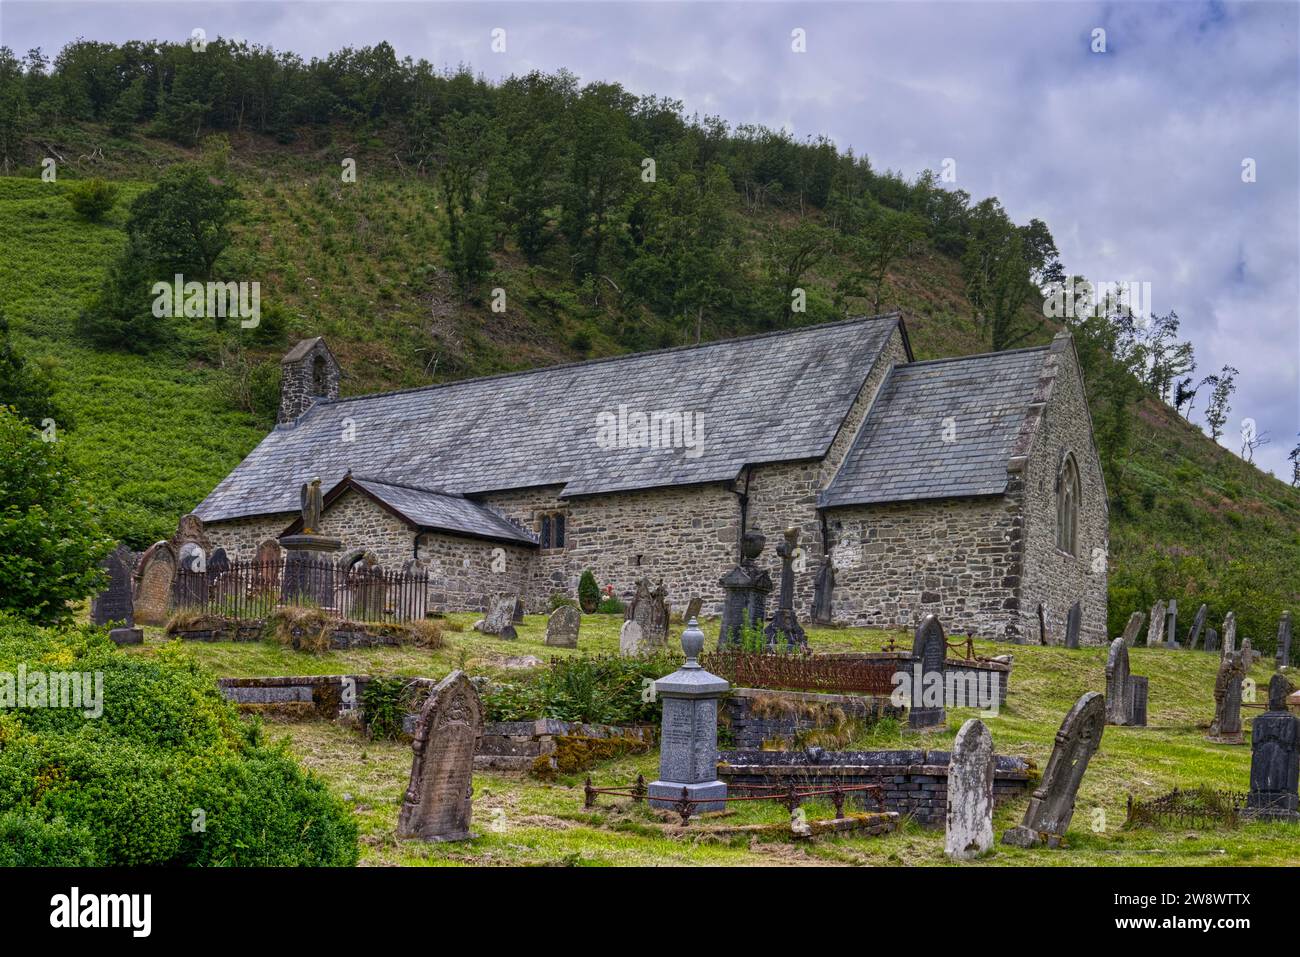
[1067,506]
[551,530]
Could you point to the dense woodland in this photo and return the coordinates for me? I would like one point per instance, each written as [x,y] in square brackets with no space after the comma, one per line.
[385,202]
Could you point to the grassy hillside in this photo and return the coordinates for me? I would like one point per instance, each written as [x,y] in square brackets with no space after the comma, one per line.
[360,264]
[522,821]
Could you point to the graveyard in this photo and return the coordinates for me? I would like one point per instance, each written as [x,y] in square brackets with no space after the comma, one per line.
[519,819]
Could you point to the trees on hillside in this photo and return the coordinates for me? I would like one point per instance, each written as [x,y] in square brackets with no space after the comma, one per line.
[1222,385]
[25,388]
[996,268]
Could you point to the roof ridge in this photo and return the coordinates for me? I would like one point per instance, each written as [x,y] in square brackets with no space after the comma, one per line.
[409,488]
[771,334]
[977,355]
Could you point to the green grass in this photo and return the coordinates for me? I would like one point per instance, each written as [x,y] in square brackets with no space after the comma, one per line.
[523,821]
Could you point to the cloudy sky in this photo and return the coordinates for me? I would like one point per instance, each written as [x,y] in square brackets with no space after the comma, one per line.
[1133,156]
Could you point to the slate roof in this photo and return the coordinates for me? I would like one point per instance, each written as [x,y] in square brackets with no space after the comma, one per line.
[437,511]
[899,453]
[766,398]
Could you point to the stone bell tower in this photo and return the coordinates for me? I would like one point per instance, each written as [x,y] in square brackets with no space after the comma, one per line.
[308,372]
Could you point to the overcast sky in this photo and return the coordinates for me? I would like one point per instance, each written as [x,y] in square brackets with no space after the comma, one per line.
[1133,156]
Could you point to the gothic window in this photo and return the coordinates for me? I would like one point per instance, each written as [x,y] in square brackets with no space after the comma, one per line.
[318,376]
[1067,506]
[551,530]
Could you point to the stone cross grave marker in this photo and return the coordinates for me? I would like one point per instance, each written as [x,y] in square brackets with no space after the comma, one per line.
[929,654]
[437,805]
[784,628]
[1274,757]
[562,627]
[688,755]
[969,830]
[1047,819]
[1198,623]
[1133,627]
[649,609]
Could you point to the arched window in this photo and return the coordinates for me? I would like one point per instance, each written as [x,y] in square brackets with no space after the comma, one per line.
[318,375]
[1067,506]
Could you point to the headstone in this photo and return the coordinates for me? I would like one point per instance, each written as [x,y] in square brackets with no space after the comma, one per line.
[1229,633]
[630,640]
[562,627]
[823,591]
[1171,623]
[693,609]
[745,589]
[688,750]
[1047,819]
[1284,641]
[784,628]
[969,830]
[500,618]
[1119,686]
[1042,624]
[268,562]
[1211,640]
[1274,757]
[127,636]
[1198,623]
[153,584]
[190,530]
[114,603]
[929,653]
[1133,627]
[1156,632]
[1226,726]
[1141,688]
[367,588]
[437,805]
[190,587]
[519,611]
[1248,656]
[649,609]
[1072,623]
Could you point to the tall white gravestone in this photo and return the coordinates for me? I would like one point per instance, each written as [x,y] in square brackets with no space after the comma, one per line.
[969,830]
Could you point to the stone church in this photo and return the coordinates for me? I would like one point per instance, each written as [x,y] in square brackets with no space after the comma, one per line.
[968,487]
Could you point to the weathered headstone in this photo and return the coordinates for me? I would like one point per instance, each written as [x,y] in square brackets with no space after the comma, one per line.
[1171,623]
[268,561]
[1248,656]
[1284,641]
[630,640]
[745,589]
[649,609]
[153,584]
[1047,819]
[1226,726]
[693,609]
[688,755]
[114,603]
[500,618]
[969,830]
[1229,633]
[1042,624]
[1141,688]
[190,587]
[519,611]
[1156,631]
[1119,687]
[1274,757]
[437,805]
[929,653]
[1211,640]
[1072,622]
[1198,623]
[190,530]
[1133,627]
[784,628]
[823,592]
[562,627]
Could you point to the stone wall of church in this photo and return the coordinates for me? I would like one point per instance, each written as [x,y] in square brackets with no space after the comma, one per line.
[956,558]
[1052,577]
[241,536]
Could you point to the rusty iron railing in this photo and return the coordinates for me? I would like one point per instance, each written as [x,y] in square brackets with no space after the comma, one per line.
[1192,807]
[797,672]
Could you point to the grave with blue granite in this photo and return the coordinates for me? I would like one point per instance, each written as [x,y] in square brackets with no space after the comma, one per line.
[688,746]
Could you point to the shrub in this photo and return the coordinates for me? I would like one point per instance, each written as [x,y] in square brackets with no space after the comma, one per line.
[167,774]
[385,703]
[91,199]
[50,540]
[597,690]
[588,592]
[609,605]
[560,600]
[301,628]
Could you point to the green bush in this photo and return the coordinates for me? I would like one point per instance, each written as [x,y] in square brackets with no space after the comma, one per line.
[597,690]
[588,592]
[166,774]
[91,199]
